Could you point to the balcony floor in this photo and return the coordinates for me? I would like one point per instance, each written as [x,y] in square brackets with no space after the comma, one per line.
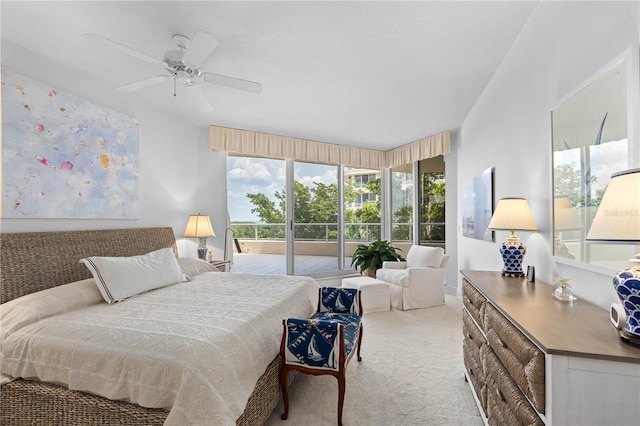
[275,264]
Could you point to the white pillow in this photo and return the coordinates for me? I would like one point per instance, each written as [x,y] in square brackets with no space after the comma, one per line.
[30,308]
[422,256]
[193,267]
[118,278]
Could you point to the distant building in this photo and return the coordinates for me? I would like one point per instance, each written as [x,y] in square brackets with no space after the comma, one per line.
[359,178]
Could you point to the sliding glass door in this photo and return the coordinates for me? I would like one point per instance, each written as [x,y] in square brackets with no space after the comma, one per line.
[263,215]
[362,209]
[315,223]
[256,202]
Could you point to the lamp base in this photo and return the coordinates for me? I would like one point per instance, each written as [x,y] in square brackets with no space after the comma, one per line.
[202,249]
[512,274]
[513,252]
[202,253]
[629,338]
[627,285]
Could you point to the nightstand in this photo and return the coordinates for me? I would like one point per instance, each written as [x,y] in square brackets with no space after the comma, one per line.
[220,265]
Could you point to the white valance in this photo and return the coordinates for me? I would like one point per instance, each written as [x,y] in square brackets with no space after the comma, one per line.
[422,149]
[245,142]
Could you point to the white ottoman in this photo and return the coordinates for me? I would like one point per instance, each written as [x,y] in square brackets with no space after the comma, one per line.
[374,293]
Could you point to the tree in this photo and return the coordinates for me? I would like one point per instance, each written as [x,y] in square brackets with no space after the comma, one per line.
[312,205]
[362,223]
[266,209]
[433,207]
[567,182]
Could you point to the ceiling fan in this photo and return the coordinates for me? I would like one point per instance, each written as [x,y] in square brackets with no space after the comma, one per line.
[182,65]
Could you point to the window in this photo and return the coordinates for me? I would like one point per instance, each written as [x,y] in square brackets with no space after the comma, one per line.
[402,204]
[432,201]
[362,206]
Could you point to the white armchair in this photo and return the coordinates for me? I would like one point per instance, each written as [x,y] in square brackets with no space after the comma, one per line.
[418,282]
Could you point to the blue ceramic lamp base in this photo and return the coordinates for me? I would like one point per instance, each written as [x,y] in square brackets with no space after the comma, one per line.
[202,249]
[513,252]
[627,285]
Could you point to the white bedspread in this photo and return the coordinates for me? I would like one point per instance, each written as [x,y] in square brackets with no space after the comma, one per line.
[196,348]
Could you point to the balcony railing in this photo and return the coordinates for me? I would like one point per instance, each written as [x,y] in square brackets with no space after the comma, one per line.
[353,232]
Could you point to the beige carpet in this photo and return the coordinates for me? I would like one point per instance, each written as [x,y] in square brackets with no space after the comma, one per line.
[411,373]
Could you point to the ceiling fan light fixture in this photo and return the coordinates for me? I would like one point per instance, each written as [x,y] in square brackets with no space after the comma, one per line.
[182,76]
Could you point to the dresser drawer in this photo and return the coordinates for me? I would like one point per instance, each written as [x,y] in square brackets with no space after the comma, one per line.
[475,373]
[523,360]
[506,404]
[472,342]
[474,302]
[472,333]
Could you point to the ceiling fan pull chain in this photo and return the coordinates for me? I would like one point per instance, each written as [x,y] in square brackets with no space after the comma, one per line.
[175,78]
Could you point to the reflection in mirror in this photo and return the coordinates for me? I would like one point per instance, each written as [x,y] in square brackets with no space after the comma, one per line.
[589,144]
[566,220]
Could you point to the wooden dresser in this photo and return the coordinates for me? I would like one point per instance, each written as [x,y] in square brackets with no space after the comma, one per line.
[532,359]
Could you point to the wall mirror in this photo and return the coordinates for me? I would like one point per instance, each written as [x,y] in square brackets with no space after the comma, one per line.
[594,134]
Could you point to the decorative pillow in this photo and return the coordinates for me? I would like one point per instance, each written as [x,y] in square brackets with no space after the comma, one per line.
[192,267]
[422,256]
[118,278]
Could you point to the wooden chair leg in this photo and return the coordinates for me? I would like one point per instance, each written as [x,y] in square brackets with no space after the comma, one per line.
[341,390]
[360,342]
[285,392]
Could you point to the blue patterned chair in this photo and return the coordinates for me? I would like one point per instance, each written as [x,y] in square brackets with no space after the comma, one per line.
[324,343]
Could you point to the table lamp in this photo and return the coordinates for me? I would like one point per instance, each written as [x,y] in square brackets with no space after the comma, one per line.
[617,221]
[199,226]
[512,214]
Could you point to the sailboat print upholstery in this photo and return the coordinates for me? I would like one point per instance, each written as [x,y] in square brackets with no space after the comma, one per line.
[313,343]
[340,300]
[324,343]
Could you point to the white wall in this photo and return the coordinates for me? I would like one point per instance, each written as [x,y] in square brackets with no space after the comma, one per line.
[562,46]
[178,174]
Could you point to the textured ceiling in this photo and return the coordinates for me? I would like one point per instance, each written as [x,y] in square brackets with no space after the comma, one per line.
[369,74]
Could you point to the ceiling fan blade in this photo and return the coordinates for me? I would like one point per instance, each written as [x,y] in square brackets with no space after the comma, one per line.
[199,97]
[125,49]
[202,45]
[156,79]
[235,83]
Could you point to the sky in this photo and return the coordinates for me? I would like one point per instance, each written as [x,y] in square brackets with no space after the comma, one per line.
[609,158]
[246,175]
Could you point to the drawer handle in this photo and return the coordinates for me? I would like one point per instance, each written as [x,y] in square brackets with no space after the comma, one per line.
[499,395]
[501,343]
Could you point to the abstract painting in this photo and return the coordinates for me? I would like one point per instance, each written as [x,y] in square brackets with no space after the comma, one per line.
[64,156]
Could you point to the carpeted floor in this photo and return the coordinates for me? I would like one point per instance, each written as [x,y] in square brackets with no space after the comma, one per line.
[411,373]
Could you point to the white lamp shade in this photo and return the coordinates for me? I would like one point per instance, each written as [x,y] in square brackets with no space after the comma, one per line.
[565,216]
[512,214]
[199,226]
[618,217]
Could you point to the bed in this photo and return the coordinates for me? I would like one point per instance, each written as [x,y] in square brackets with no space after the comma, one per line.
[34,262]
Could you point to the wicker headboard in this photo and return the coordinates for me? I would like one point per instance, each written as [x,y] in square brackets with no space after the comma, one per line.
[34,261]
